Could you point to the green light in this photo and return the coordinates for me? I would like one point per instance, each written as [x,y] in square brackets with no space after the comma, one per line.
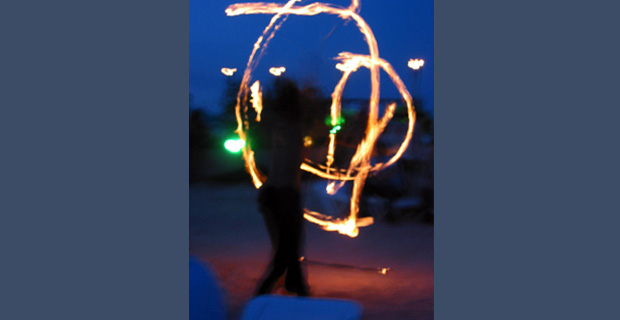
[328,120]
[335,129]
[234,145]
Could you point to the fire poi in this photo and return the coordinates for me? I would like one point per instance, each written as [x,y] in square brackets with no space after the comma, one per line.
[360,166]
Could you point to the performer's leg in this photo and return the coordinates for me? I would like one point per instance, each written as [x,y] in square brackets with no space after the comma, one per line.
[292,245]
[268,200]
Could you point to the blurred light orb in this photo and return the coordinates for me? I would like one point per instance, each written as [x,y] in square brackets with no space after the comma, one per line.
[277,71]
[234,145]
[228,71]
[415,64]
[308,141]
[335,129]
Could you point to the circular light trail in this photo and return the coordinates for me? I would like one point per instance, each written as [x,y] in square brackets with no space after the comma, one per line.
[360,166]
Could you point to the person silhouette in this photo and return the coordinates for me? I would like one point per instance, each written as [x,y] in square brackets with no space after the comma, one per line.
[279,199]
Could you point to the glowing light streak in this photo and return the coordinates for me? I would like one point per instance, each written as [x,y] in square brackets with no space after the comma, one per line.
[359,167]
[257,99]
[229,72]
[415,64]
[277,71]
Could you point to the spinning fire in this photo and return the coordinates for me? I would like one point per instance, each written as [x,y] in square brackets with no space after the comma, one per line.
[360,166]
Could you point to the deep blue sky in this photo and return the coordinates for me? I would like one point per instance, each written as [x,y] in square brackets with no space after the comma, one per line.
[403,28]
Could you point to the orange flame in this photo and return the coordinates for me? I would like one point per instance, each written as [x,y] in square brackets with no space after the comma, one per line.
[229,72]
[277,71]
[360,165]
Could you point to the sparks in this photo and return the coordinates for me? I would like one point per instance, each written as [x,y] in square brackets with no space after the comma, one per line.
[359,167]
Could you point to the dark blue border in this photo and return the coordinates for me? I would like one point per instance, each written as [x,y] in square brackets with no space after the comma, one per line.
[94,171]
[526,159]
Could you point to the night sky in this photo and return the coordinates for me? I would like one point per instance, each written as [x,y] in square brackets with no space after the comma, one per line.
[306,46]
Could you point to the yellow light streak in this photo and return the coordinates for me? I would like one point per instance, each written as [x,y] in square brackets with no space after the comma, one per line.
[257,99]
[359,167]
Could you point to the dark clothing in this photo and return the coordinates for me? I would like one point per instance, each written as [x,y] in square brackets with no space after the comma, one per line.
[279,198]
[282,211]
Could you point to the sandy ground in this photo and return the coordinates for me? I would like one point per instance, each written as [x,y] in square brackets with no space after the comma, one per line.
[227,232]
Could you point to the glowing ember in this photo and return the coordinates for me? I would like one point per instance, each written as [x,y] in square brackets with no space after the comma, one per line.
[229,72]
[359,167]
[415,64]
[277,71]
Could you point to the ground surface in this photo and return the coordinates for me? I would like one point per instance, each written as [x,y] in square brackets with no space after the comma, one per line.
[227,232]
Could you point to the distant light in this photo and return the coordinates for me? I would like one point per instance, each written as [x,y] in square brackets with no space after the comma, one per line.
[277,71]
[229,72]
[234,145]
[384,270]
[307,141]
[415,64]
